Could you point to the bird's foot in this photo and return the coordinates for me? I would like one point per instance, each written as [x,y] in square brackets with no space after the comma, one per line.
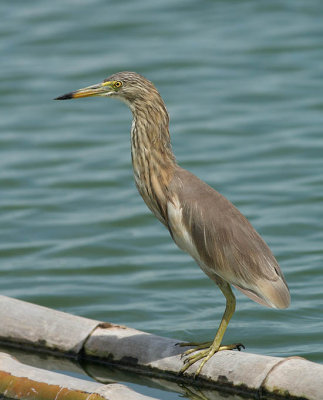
[196,345]
[204,352]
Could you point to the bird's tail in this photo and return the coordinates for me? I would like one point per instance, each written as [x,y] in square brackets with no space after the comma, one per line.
[274,294]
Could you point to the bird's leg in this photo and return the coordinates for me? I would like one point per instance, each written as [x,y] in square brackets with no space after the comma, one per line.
[204,352]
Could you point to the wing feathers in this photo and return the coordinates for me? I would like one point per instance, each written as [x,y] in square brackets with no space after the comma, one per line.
[226,242]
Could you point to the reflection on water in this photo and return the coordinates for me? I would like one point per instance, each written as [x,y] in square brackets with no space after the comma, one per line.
[153,386]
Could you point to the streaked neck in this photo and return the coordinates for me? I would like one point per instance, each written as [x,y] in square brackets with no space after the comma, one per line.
[152,157]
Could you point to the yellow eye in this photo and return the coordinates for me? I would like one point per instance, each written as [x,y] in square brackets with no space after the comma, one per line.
[117,84]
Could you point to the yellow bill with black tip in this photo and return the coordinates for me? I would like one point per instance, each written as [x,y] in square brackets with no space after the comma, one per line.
[100,89]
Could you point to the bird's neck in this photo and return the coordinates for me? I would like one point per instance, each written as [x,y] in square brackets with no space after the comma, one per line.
[152,157]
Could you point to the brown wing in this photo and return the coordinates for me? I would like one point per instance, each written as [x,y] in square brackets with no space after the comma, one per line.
[227,243]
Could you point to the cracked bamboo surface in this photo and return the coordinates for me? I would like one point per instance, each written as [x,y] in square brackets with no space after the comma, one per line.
[32,326]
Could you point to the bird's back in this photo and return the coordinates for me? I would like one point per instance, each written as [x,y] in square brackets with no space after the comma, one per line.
[223,242]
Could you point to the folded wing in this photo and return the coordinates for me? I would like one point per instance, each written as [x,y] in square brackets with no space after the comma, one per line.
[223,242]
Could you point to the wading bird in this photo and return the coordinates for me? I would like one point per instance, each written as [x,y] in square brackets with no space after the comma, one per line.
[200,220]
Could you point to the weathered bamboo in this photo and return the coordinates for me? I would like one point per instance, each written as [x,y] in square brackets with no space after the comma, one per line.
[19,381]
[43,328]
[24,324]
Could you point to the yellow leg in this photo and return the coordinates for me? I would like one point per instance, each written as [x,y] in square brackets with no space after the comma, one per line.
[205,351]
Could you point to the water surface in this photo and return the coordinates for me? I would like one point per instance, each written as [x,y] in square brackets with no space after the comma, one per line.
[242,81]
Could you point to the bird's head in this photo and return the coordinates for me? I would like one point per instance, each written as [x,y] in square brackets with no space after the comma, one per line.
[127,86]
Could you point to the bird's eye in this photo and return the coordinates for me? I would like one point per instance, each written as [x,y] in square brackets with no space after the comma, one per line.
[117,84]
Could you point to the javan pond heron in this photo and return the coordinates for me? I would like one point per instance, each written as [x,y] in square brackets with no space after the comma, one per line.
[200,220]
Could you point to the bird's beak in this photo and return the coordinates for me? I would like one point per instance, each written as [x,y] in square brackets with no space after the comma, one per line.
[100,89]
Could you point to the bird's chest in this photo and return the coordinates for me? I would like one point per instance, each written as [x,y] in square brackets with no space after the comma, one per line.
[143,189]
[148,188]
[181,235]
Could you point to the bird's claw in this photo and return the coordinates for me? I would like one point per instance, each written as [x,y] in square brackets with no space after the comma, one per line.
[187,360]
[240,346]
[204,353]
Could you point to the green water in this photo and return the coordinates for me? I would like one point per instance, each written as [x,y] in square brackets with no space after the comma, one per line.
[242,81]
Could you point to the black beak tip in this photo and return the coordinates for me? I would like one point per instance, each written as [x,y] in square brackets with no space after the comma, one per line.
[66,96]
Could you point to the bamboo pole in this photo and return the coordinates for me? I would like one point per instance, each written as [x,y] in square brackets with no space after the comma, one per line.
[28,325]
